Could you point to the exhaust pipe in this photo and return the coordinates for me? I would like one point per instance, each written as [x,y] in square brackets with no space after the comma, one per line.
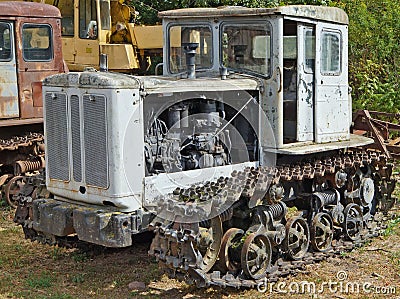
[190,51]
[103,63]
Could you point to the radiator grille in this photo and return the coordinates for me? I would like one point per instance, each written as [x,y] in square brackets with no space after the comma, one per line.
[57,136]
[95,139]
[76,139]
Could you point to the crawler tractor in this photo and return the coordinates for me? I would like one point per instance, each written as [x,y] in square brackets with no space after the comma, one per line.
[239,157]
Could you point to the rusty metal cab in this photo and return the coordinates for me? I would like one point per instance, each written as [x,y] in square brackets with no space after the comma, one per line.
[30,50]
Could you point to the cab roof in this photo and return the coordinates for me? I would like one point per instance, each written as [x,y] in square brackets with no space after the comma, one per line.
[325,13]
[28,9]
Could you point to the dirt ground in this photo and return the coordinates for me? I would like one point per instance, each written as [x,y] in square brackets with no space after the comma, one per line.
[32,270]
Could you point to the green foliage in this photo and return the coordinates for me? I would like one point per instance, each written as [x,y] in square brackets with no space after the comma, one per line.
[79,257]
[374,36]
[392,225]
[78,278]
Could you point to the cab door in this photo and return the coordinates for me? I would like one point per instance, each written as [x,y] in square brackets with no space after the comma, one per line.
[9,107]
[305,82]
[331,84]
[87,41]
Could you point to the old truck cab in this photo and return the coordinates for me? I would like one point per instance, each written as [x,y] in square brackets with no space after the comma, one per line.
[30,50]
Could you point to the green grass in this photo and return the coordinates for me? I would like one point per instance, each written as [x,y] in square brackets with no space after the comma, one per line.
[392,226]
[43,280]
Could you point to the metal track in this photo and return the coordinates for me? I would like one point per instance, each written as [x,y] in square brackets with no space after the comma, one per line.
[281,268]
[174,242]
[18,142]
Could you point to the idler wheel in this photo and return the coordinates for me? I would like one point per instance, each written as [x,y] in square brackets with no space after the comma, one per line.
[321,232]
[256,255]
[297,238]
[353,221]
[12,190]
[229,244]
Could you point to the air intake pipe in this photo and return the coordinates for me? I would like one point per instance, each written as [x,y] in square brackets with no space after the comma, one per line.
[190,51]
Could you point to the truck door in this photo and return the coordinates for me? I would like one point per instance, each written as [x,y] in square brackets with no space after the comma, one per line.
[305,82]
[9,107]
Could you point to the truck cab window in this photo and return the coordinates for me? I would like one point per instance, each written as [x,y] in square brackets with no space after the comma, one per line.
[87,19]
[37,42]
[330,53]
[181,35]
[5,42]
[247,47]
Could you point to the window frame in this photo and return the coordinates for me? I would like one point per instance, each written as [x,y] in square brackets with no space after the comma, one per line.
[307,68]
[50,48]
[266,23]
[191,25]
[95,24]
[105,17]
[10,28]
[339,35]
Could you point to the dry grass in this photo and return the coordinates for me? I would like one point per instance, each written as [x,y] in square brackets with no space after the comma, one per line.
[32,270]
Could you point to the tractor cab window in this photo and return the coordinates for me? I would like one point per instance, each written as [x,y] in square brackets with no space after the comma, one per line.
[179,36]
[330,53]
[37,42]
[5,42]
[247,47]
[87,19]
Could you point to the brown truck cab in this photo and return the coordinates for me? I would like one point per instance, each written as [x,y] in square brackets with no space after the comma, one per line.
[30,50]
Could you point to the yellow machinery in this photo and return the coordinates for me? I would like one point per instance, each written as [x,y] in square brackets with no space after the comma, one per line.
[94,27]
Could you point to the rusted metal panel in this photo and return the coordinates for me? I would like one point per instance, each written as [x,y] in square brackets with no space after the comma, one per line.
[28,9]
[32,73]
[37,94]
[380,126]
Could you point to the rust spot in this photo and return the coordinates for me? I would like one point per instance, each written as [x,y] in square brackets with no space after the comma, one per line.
[37,94]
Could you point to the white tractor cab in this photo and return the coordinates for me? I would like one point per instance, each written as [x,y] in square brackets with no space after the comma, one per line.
[298,52]
[240,87]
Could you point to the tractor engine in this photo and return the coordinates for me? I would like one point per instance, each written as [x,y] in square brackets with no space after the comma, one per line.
[187,136]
